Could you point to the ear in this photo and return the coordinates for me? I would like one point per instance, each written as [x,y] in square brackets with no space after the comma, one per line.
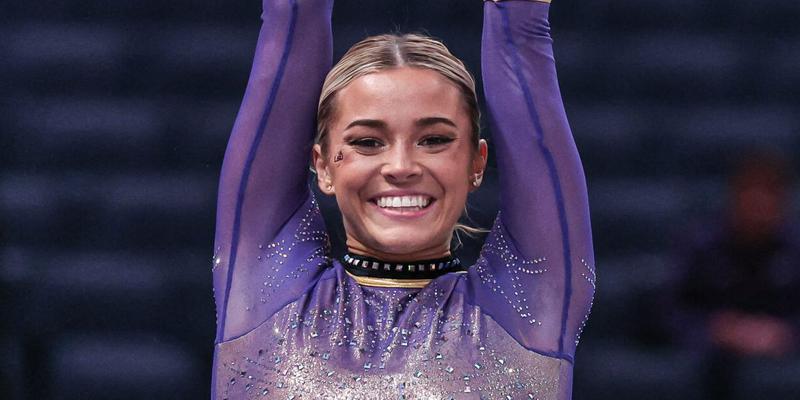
[324,178]
[479,163]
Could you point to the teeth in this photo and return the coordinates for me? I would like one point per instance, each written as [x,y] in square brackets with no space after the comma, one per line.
[403,201]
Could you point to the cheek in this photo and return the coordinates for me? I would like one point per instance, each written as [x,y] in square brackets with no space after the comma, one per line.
[458,163]
[453,175]
[351,173]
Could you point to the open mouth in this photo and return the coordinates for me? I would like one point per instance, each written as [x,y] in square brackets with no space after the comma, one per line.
[403,203]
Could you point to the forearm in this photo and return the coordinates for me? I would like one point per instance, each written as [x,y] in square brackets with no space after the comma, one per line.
[265,164]
[541,172]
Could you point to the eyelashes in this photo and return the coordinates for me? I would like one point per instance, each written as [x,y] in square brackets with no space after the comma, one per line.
[367,143]
[373,144]
[436,140]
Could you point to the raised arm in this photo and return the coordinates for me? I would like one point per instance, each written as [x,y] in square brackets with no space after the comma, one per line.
[537,267]
[263,182]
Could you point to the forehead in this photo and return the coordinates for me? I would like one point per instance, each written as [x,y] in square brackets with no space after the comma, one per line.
[399,94]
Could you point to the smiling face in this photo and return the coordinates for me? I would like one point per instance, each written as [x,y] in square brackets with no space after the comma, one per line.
[400,160]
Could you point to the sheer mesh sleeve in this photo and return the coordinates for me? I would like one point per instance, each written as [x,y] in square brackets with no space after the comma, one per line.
[264,200]
[535,275]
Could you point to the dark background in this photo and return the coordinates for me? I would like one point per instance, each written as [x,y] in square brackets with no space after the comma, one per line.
[114,120]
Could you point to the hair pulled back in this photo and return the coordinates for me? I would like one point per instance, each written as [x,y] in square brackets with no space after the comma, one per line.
[382,52]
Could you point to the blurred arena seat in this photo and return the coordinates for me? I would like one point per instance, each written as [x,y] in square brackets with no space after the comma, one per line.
[121,368]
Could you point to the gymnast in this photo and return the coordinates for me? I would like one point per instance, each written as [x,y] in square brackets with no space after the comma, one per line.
[392,131]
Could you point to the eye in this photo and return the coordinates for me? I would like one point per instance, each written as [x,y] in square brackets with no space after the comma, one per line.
[365,143]
[435,140]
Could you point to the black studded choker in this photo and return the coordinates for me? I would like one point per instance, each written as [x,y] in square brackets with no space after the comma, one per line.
[362,266]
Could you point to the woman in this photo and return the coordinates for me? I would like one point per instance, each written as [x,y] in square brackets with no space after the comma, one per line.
[397,144]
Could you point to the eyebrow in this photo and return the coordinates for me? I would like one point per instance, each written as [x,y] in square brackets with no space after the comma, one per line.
[428,121]
[369,123]
[422,122]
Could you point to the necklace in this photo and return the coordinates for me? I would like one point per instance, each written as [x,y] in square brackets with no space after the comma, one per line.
[370,271]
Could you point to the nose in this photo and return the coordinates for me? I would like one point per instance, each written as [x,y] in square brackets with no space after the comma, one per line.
[401,166]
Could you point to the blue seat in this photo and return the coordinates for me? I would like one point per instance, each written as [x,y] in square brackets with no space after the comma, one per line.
[626,285]
[120,367]
[622,372]
[768,379]
[635,214]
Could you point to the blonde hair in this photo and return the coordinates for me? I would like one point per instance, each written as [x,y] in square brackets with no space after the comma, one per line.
[382,52]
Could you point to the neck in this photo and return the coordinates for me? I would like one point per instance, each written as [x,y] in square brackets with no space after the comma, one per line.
[355,247]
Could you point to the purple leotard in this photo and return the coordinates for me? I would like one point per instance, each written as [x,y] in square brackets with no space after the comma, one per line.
[293,324]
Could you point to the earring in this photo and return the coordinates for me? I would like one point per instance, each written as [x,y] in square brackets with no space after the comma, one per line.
[477,180]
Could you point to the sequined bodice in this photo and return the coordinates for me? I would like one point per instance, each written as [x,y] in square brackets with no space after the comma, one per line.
[292,324]
[380,343]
